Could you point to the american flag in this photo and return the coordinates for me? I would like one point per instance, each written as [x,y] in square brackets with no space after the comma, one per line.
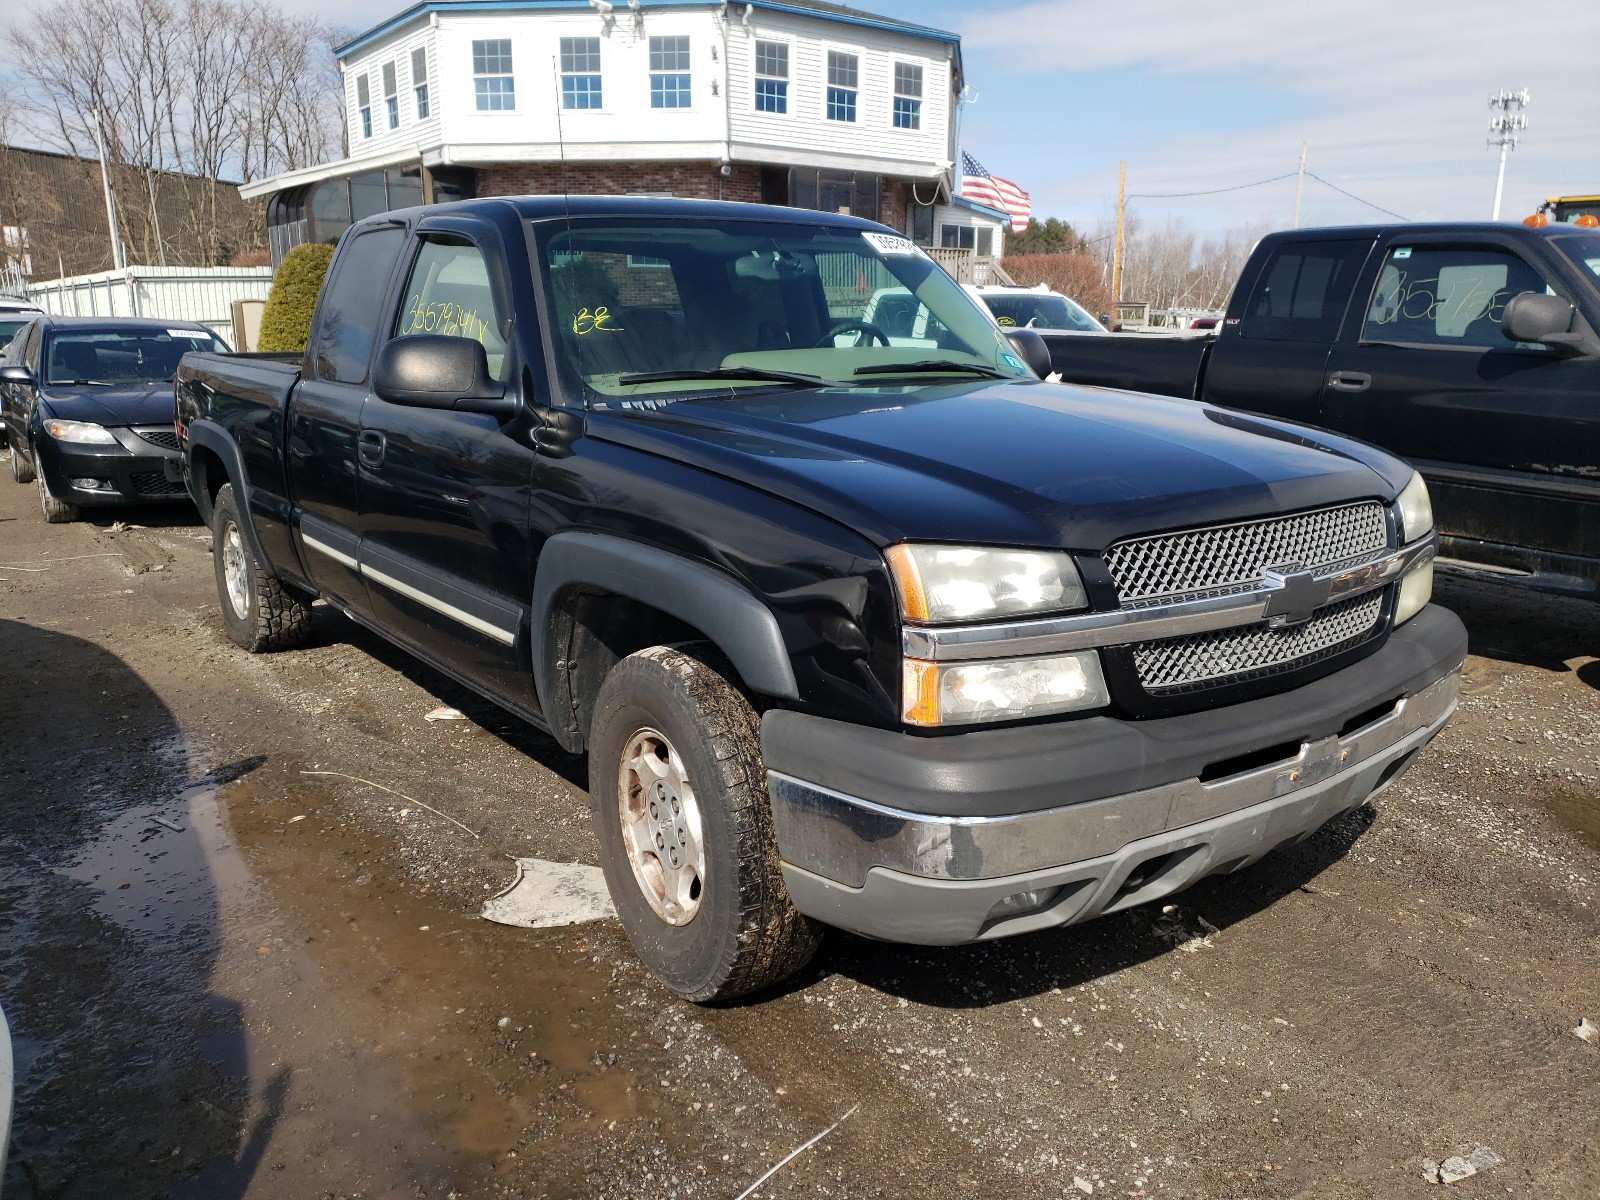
[983,188]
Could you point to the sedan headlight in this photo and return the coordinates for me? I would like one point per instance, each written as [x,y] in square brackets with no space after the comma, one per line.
[1009,689]
[940,584]
[85,432]
[1416,510]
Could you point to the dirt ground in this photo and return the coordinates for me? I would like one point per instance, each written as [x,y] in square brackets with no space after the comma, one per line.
[230,978]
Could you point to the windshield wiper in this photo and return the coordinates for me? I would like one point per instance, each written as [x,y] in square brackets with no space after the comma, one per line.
[82,382]
[755,374]
[930,366]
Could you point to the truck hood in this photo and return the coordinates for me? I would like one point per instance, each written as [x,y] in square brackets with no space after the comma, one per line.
[1023,463]
[121,404]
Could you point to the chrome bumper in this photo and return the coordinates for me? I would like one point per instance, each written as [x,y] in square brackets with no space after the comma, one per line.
[913,877]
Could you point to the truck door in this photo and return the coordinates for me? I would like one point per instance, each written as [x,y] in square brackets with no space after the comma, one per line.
[444,494]
[325,411]
[1507,434]
[1272,352]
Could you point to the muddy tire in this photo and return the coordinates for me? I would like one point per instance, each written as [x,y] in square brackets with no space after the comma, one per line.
[21,472]
[56,512]
[260,613]
[679,797]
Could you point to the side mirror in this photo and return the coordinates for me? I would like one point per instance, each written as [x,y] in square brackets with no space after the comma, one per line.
[428,370]
[16,373]
[1033,350]
[1536,317]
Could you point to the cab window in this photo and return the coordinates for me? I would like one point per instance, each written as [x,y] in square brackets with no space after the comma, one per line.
[1447,295]
[1302,291]
[448,294]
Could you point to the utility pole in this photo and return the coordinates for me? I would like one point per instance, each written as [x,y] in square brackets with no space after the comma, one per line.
[119,260]
[1299,185]
[1505,123]
[1116,254]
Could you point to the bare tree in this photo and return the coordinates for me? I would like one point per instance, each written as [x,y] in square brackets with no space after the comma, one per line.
[1169,267]
[185,94]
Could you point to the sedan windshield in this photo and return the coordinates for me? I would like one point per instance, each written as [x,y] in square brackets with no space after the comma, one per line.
[110,356]
[652,310]
[1041,312]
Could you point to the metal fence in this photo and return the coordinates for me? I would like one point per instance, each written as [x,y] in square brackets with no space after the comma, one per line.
[203,294]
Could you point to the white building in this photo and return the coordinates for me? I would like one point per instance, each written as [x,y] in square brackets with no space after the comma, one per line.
[794,102]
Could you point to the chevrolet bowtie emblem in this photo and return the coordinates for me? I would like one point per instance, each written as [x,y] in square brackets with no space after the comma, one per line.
[1295,595]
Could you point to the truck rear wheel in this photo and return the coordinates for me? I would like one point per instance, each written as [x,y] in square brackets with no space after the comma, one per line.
[679,796]
[259,612]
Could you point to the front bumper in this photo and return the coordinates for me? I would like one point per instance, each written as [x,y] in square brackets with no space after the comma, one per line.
[1101,814]
[134,471]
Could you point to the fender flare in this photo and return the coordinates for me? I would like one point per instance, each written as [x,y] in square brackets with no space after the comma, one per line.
[212,437]
[740,625]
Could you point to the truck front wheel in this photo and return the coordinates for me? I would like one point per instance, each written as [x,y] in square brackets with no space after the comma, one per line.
[679,795]
[259,611]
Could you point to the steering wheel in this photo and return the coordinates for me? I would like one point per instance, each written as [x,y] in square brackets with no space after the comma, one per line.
[867,330]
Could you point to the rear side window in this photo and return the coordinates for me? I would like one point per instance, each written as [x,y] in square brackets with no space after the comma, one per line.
[1302,292]
[352,304]
[1447,295]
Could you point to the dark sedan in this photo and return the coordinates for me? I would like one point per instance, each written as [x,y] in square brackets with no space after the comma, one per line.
[88,407]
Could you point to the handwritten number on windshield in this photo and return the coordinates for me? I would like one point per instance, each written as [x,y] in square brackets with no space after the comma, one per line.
[597,320]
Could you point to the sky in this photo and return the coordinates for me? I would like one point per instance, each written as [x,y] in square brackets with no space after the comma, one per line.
[1390,98]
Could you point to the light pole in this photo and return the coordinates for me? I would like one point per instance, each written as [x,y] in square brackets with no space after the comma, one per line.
[1505,123]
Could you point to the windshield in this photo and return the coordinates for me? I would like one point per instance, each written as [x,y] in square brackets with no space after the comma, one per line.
[719,304]
[105,356]
[1041,312]
[1583,250]
[10,327]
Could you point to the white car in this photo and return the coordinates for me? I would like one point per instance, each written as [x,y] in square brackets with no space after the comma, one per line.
[1035,308]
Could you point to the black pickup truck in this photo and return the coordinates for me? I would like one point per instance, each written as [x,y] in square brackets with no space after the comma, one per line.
[863,629]
[1470,350]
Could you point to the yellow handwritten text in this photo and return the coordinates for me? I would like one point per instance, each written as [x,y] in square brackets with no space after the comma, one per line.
[597,320]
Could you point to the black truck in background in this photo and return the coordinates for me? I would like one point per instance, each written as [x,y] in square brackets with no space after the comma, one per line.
[1470,350]
[858,628]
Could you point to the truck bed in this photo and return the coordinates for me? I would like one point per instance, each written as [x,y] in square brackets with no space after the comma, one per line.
[1163,364]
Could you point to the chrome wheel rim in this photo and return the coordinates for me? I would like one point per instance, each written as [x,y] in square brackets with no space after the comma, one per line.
[235,572]
[661,826]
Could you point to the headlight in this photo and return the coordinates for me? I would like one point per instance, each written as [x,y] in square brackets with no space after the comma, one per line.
[1010,689]
[939,584]
[86,432]
[1416,589]
[1416,510]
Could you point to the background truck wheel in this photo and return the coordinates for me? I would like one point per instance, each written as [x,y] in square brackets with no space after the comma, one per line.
[20,471]
[56,512]
[679,795]
[259,612]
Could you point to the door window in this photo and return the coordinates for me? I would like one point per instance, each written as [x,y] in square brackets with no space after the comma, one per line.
[449,294]
[352,304]
[1302,292]
[1447,295]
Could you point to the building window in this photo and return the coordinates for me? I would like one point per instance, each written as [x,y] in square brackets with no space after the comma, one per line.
[844,73]
[958,237]
[907,96]
[491,75]
[669,72]
[772,77]
[580,72]
[364,103]
[419,80]
[391,96]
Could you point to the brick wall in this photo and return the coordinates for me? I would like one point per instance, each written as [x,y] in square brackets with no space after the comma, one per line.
[690,180]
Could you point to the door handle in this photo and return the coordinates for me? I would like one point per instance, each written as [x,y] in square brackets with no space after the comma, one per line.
[370,446]
[1349,381]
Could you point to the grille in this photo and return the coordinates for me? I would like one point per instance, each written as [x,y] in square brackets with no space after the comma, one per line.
[1223,557]
[1234,655]
[167,439]
[157,485]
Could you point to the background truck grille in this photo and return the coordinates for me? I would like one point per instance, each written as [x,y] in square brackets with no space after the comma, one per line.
[1220,558]
[167,439]
[1235,655]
